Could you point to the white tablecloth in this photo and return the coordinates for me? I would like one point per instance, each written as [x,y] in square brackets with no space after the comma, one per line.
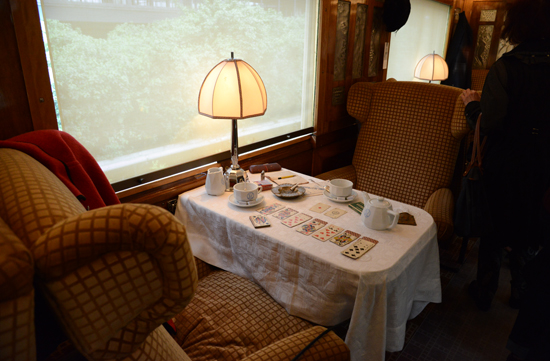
[378,292]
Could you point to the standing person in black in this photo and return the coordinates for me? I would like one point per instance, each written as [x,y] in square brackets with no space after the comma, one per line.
[530,336]
[515,107]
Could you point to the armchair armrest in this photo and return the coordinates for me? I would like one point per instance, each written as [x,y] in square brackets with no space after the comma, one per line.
[329,348]
[17,340]
[114,274]
[347,172]
[440,206]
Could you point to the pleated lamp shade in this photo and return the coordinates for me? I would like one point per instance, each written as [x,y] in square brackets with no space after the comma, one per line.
[232,90]
[431,67]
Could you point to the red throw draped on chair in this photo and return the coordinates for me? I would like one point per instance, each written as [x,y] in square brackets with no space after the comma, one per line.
[64,156]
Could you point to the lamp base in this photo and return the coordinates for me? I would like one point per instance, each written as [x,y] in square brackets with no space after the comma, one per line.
[234,176]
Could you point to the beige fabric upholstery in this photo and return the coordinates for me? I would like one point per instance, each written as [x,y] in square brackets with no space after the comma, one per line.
[17,341]
[203,268]
[441,205]
[478,78]
[408,143]
[347,172]
[237,326]
[159,346]
[32,199]
[328,347]
[113,275]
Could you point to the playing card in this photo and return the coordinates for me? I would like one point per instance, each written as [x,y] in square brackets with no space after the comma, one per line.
[319,207]
[285,213]
[296,220]
[327,232]
[271,208]
[335,212]
[360,247]
[357,207]
[259,221]
[310,227]
[406,218]
[345,238]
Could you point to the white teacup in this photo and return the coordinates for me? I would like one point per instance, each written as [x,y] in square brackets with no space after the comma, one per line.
[339,188]
[246,192]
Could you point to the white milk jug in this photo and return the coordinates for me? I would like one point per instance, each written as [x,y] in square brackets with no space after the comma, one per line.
[215,181]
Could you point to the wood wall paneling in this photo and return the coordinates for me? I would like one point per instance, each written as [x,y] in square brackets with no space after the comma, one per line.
[34,64]
[475,22]
[15,116]
[334,150]
[333,117]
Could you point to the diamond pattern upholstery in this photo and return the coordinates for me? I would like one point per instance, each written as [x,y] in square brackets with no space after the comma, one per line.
[408,144]
[17,341]
[478,78]
[228,320]
[115,273]
[32,199]
[328,347]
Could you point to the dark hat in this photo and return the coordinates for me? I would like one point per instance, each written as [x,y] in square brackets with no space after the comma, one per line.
[396,14]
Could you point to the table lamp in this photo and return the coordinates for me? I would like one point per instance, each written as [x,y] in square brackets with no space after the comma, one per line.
[431,67]
[233,90]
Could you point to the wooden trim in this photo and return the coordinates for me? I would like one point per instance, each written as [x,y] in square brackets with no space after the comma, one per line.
[127,193]
[344,133]
[259,152]
[26,22]
[167,188]
[15,116]
[446,2]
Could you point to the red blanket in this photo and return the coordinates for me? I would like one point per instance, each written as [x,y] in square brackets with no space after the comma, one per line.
[65,157]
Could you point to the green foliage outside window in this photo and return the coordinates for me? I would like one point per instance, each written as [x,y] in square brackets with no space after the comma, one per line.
[114,99]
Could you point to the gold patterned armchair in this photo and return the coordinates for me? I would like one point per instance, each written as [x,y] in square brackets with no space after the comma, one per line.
[478,78]
[408,145]
[112,276]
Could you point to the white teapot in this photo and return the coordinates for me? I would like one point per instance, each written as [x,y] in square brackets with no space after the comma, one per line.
[378,213]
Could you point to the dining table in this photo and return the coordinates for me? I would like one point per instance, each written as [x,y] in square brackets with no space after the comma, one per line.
[376,294]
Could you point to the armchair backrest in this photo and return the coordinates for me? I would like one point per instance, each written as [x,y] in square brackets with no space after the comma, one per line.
[409,139]
[478,78]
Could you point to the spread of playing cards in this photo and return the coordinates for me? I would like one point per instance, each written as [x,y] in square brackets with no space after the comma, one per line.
[321,220]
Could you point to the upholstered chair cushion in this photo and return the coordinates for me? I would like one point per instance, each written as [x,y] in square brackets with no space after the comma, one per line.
[347,172]
[159,345]
[114,274]
[17,340]
[230,318]
[329,346]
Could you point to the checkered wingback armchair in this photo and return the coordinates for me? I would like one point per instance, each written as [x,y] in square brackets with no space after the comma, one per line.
[408,144]
[478,78]
[113,275]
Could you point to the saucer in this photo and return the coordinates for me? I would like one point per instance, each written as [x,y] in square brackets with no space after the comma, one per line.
[258,200]
[341,199]
[283,191]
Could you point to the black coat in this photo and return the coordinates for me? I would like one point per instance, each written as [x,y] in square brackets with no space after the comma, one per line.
[515,103]
[460,72]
